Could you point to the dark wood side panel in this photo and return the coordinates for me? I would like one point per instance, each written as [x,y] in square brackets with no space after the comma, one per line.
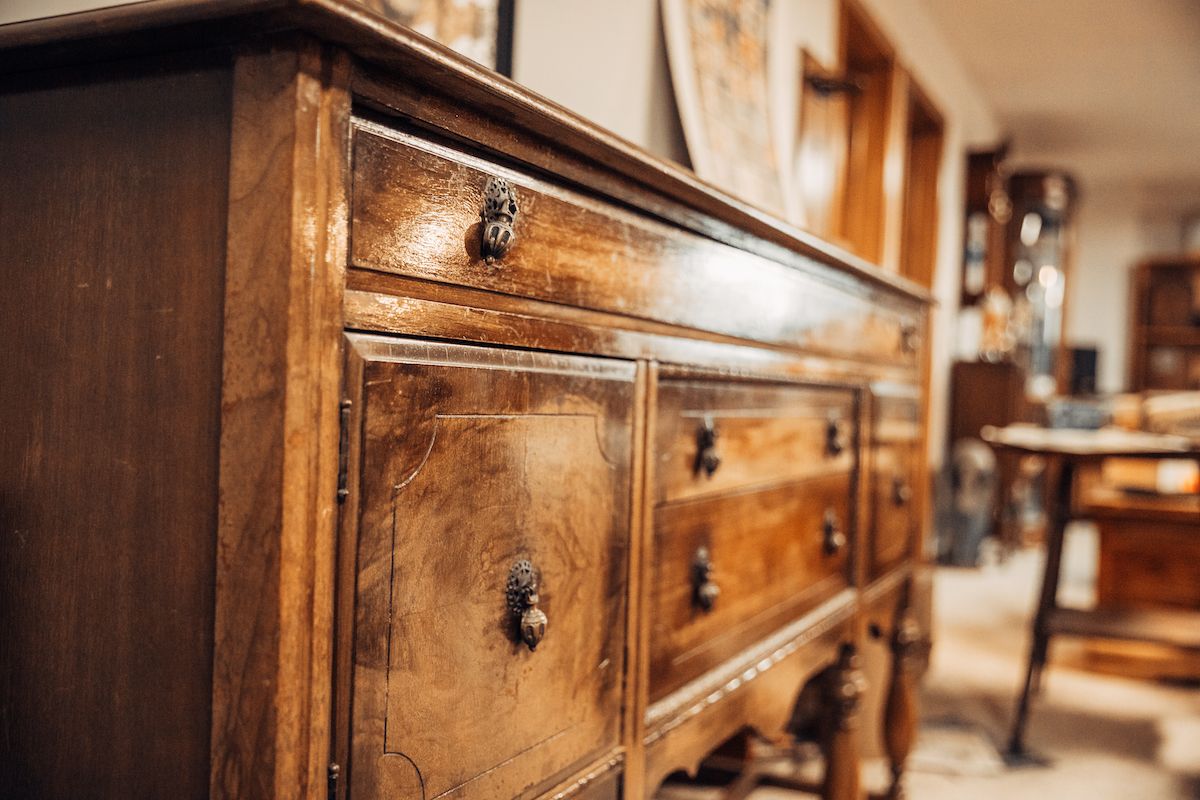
[112,207]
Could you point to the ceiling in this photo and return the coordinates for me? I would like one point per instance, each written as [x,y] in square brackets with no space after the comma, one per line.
[1108,89]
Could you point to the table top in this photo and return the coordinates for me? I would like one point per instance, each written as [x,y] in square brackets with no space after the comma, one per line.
[1089,444]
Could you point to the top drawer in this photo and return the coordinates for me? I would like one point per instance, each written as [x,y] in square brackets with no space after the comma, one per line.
[717,437]
[416,211]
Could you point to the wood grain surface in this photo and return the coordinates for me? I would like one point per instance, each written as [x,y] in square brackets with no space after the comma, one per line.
[766,434]
[416,212]
[112,200]
[769,560]
[279,422]
[471,460]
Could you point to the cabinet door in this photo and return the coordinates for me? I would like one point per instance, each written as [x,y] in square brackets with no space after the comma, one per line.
[476,470]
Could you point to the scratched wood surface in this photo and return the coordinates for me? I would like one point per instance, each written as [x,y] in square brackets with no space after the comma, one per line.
[416,211]
[471,460]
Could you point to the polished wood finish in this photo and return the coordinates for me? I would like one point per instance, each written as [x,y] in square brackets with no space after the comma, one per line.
[900,716]
[893,478]
[363,427]
[923,162]
[843,687]
[895,473]
[471,461]
[279,421]
[869,60]
[766,434]
[770,559]
[822,145]
[114,184]
[415,211]
[757,689]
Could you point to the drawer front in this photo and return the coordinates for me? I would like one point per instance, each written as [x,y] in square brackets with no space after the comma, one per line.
[472,462]
[893,479]
[895,461]
[772,554]
[416,210]
[758,434]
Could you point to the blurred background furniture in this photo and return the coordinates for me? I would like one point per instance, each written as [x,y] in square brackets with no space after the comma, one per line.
[1068,451]
[1018,246]
[1165,335]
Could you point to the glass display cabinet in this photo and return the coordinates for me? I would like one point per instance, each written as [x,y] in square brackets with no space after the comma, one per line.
[1039,244]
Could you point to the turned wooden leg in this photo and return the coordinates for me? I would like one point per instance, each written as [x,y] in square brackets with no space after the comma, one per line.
[844,686]
[900,715]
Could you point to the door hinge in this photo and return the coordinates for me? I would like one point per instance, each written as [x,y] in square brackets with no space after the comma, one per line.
[343,454]
[332,778]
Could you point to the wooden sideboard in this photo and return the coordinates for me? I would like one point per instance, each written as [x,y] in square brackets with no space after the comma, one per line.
[376,428]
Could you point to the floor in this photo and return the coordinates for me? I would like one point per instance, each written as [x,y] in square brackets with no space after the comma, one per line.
[1103,737]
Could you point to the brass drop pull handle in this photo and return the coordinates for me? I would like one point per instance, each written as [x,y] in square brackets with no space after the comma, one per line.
[902,492]
[707,458]
[704,590]
[835,437]
[522,594]
[910,338]
[499,218]
[832,537]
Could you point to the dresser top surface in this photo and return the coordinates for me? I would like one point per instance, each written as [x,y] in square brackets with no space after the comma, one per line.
[155,26]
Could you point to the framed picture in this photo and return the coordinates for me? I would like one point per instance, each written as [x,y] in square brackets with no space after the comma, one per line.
[717,51]
[481,30]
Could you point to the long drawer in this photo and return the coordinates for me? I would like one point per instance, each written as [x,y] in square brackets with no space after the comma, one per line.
[418,209]
[490,568]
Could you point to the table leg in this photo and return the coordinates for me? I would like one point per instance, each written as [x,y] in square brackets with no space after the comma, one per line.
[1060,515]
[843,689]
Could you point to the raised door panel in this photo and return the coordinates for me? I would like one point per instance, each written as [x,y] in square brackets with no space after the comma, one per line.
[473,460]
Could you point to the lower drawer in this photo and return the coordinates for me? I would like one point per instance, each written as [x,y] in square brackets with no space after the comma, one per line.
[729,570]
[892,493]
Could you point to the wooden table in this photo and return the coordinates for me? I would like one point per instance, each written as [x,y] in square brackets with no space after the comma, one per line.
[1064,451]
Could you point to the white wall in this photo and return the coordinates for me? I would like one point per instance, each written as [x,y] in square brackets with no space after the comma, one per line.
[605,61]
[1117,227]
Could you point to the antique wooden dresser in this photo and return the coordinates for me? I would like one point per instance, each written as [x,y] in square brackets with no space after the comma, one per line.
[374,428]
